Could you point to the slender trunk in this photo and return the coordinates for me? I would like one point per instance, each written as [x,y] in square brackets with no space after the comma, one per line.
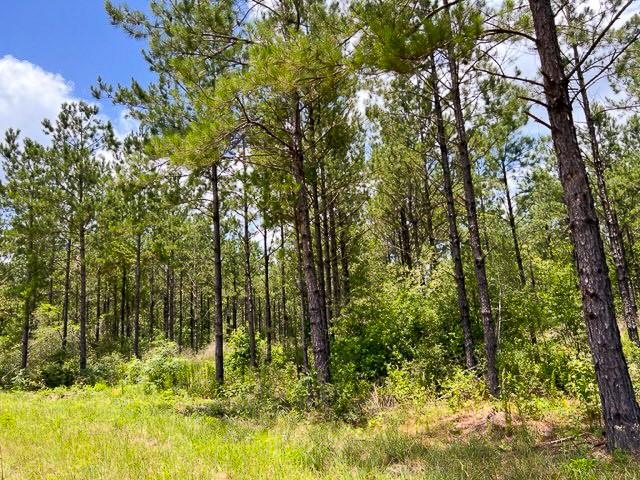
[415,244]
[28,304]
[52,262]
[345,288]
[629,310]
[428,208]
[319,256]
[454,236]
[512,224]
[248,288]
[620,410]
[165,306]
[235,302]
[319,337]
[114,326]
[98,306]
[516,245]
[267,298]
[180,311]
[283,287]
[172,301]
[217,277]
[325,242]
[335,280]
[136,307]
[304,309]
[152,302]
[405,238]
[65,300]
[26,330]
[123,300]
[464,160]
[83,298]
[192,320]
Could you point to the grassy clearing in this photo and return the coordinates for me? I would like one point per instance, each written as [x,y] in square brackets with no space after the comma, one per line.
[123,433]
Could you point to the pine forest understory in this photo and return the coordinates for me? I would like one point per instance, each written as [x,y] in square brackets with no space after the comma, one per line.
[355,239]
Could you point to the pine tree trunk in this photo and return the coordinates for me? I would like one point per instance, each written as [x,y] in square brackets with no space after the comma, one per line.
[464,160]
[192,320]
[28,305]
[83,298]
[98,306]
[267,298]
[67,291]
[317,240]
[335,272]
[234,322]
[345,287]
[152,302]
[283,288]
[325,242]
[620,410]
[136,307]
[428,209]
[172,301]
[248,288]
[516,245]
[114,326]
[454,236]
[180,311]
[629,310]
[165,304]
[304,309]
[123,301]
[512,224]
[319,337]
[405,238]
[217,278]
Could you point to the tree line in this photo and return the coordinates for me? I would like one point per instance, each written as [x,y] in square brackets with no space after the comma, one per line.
[263,193]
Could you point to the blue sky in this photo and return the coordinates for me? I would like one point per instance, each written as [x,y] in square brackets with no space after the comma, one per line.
[54,50]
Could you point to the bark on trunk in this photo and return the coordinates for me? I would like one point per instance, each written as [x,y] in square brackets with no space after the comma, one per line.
[304,309]
[123,300]
[283,288]
[67,291]
[512,225]
[248,288]
[83,299]
[620,411]
[616,242]
[267,298]
[136,307]
[335,272]
[319,337]
[325,242]
[454,236]
[98,306]
[464,160]
[217,278]
[152,302]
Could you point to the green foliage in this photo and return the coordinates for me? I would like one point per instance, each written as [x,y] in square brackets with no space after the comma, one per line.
[388,326]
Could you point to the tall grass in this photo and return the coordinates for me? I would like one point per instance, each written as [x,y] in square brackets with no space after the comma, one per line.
[125,433]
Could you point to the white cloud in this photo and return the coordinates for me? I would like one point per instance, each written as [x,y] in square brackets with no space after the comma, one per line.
[28,94]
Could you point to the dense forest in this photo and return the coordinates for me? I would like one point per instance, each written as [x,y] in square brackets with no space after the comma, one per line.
[324,202]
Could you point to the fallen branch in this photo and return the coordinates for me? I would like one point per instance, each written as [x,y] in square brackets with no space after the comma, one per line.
[558,441]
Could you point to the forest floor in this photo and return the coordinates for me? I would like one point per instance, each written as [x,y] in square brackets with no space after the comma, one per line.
[124,433]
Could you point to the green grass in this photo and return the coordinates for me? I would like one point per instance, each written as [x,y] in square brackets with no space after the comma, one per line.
[123,433]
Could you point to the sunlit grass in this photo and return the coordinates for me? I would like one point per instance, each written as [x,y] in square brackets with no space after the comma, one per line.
[124,433]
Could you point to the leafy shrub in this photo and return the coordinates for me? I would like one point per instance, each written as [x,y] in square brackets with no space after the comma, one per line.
[159,369]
